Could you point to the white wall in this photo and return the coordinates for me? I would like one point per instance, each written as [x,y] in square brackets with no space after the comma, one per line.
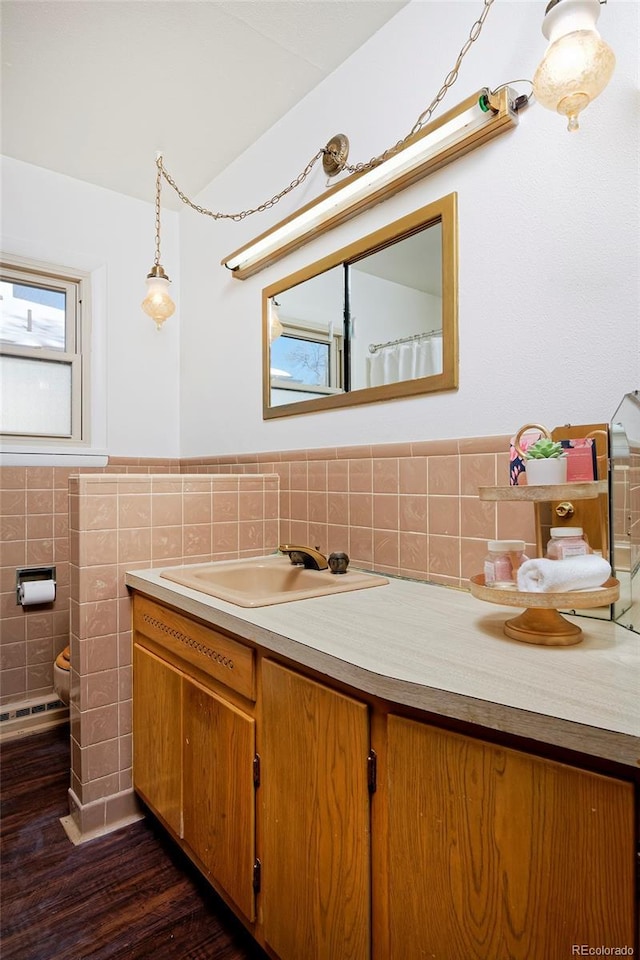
[548,255]
[57,219]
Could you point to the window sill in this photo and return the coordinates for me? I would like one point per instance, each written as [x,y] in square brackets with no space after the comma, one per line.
[14,456]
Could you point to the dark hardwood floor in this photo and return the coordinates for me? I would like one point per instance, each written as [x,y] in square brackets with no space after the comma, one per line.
[126,896]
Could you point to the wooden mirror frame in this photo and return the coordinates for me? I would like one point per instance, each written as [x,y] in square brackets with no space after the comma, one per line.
[443,211]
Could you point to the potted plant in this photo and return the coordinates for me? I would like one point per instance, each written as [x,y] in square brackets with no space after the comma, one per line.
[546,462]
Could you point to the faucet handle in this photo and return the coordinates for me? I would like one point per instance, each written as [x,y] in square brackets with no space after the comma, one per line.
[338,562]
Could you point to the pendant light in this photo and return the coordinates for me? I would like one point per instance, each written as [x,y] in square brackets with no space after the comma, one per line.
[158,304]
[275,324]
[578,63]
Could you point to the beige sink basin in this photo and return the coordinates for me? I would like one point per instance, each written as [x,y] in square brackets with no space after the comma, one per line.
[262,581]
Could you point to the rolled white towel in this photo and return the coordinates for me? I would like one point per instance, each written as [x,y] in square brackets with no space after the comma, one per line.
[560,576]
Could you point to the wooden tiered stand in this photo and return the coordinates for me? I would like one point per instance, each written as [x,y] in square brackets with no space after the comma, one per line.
[541,623]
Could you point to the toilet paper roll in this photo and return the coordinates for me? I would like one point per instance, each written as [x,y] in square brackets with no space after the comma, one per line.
[37,591]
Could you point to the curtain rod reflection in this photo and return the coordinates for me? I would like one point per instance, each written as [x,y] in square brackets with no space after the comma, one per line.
[373,347]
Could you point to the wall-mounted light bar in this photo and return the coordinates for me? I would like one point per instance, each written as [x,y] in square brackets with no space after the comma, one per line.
[473,122]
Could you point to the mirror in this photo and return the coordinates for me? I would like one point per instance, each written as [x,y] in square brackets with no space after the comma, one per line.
[373,321]
[625,509]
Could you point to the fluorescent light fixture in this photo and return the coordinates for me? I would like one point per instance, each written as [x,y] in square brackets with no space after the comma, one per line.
[473,122]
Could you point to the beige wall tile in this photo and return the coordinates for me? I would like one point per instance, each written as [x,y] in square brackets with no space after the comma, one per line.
[444,475]
[98,654]
[196,540]
[13,478]
[318,507]
[98,725]
[361,509]
[413,552]
[412,475]
[13,655]
[360,476]
[224,538]
[472,554]
[251,505]
[131,545]
[197,508]
[361,544]
[100,547]
[444,556]
[478,518]
[39,478]
[477,471]
[386,548]
[338,508]
[14,629]
[385,511]
[250,535]
[225,506]
[338,475]
[412,513]
[134,510]
[166,509]
[98,513]
[385,475]
[444,516]
[40,552]
[13,502]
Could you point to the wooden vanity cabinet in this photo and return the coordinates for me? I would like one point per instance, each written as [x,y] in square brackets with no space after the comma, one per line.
[157,735]
[218,791]
[314,804]
[194,748]
[494,853]
[467,850]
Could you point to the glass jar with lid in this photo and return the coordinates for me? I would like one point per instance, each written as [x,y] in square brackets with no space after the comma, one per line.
[567,542]
[502,562]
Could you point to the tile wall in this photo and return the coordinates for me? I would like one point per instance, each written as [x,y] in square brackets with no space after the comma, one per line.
[123,522]
[410,509]
[34,531]
[407,509]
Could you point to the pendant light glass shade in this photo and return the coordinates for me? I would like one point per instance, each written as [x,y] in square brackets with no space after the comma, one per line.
[158,304]
[275,326]
[578,63]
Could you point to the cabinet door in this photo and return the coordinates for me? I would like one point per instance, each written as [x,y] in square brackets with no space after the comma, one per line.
[157,736]
[219,795]
[315,823]
[496,854]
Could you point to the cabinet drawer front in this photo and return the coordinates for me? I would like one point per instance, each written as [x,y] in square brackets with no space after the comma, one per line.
[216,654]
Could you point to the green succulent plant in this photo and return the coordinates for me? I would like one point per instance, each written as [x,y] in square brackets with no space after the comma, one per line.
[544,449]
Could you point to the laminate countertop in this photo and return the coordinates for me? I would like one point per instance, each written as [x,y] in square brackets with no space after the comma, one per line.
[441,650]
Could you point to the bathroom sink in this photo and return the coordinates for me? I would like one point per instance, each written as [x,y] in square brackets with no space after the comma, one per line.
[262,581]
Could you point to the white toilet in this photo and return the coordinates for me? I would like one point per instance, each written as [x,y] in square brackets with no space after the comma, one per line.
[62,675]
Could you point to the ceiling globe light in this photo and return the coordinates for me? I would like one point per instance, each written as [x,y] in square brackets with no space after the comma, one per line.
[578,64]
[158,304]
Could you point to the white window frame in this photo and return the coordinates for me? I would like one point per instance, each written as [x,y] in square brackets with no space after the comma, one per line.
[299,330]
[77,286]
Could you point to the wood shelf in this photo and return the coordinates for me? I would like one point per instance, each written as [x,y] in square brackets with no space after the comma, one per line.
[585,490]
[541,623]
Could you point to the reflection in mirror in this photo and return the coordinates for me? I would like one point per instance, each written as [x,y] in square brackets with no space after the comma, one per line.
[625,509]
[375,320]
[306,356]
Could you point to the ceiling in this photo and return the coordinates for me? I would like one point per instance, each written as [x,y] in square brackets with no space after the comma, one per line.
[94,88]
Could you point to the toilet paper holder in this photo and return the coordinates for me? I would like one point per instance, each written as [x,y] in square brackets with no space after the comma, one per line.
[25,574]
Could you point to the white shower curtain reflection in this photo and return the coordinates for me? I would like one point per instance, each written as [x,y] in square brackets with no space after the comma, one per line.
[408,360]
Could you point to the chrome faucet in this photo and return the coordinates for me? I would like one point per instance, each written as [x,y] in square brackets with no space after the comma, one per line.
[306,556]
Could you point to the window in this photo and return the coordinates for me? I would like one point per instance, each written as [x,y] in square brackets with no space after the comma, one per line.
[306,360]
[43,354]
